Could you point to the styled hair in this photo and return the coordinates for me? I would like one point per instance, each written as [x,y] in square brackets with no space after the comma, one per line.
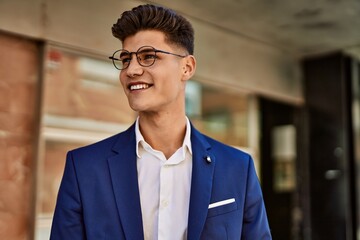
[176,28]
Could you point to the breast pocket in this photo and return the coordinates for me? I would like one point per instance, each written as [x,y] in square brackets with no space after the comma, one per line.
[222,207]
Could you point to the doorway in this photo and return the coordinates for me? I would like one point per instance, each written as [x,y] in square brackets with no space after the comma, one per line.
[281,167]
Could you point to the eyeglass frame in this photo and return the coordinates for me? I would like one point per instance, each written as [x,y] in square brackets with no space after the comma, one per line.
[113,58]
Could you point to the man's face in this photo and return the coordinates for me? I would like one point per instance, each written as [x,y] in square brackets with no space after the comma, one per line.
[160,87]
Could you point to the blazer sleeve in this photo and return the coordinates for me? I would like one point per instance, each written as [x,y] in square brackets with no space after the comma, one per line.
[68,220]
[255,223]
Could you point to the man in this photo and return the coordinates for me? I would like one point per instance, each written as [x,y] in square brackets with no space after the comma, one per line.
[160,179]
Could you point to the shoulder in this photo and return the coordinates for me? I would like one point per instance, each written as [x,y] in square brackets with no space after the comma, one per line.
[103,147]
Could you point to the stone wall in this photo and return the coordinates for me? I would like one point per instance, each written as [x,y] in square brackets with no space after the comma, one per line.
[19,78]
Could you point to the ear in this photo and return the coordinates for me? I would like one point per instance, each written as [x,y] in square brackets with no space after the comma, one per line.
[189,67]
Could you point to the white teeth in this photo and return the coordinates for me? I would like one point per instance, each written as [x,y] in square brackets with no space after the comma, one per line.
[139,86]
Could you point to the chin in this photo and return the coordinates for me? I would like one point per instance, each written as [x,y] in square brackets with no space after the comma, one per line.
[138,108]
[135,108]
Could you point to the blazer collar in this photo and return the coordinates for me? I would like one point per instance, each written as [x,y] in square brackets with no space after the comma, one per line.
[201,183]
[123,173]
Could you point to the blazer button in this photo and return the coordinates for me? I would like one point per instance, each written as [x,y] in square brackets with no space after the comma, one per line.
[208,159]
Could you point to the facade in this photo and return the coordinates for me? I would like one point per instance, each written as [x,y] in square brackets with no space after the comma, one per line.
[59,91]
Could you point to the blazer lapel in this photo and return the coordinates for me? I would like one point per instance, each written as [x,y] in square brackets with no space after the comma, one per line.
[123,173]
[201,184]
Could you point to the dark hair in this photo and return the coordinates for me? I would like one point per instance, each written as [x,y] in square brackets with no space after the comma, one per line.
[176,28]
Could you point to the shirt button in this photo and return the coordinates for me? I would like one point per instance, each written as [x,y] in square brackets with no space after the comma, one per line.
[164,203]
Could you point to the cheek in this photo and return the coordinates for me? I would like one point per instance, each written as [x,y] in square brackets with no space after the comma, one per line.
[172,86]
[122,79]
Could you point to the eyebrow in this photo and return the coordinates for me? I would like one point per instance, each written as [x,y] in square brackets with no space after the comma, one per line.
[150,49]
[125,54]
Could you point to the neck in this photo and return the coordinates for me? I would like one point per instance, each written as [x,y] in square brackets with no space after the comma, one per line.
[164,132]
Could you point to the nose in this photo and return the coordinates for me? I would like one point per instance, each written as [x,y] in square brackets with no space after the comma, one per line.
[134,68]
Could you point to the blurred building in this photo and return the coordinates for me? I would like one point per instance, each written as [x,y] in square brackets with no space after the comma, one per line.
[295,107]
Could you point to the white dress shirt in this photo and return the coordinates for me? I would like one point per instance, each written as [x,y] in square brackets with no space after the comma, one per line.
[164,186]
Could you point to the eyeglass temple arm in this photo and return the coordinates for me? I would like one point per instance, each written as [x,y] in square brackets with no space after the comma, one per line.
[113,58]
[178,55]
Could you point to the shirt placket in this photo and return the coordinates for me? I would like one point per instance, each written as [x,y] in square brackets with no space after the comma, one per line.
[164,202]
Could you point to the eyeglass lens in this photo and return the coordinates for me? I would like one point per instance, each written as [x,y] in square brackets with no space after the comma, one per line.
[145,56]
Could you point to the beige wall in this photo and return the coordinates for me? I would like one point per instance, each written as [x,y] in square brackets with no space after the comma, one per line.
[223,58]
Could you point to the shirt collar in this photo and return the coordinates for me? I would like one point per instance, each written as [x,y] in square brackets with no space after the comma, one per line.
[140,139]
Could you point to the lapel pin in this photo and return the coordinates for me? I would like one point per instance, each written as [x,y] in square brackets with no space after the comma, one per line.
[208,159]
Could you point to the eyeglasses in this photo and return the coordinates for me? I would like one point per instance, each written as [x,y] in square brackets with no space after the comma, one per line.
[145,56]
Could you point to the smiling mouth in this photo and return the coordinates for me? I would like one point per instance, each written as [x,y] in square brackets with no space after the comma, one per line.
[139,86]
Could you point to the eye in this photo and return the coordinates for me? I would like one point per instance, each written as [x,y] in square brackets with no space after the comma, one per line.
[125,60]
[149,56]
[125,57]
[146,55]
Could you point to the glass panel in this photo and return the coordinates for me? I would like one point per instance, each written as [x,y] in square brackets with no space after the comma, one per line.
[219,113]
[284,157]
[76,85]
[356,133]
[227,115]
[83,103]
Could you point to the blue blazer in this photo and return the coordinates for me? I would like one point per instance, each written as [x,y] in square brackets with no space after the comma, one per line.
[99,195]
